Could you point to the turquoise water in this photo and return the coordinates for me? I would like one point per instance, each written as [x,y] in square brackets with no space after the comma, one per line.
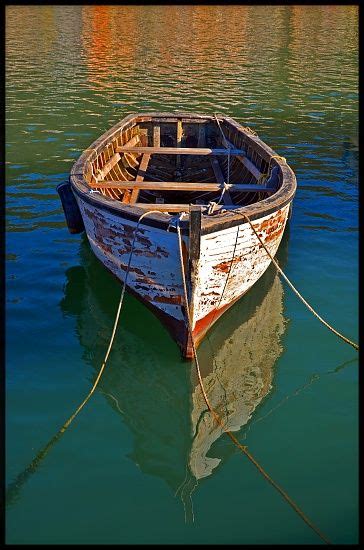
[143,462]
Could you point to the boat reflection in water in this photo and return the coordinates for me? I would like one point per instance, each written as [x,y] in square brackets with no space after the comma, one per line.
[156,393]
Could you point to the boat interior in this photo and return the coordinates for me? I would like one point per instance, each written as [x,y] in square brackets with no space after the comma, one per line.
[167,163]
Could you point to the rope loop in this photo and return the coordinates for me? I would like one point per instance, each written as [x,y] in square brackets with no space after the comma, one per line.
[250,131]
[262,178]
[175,219]
[283,159]
[212,205]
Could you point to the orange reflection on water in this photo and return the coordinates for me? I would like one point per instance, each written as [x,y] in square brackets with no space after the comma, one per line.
[167,38]
[96,40]
[170,49]
[329,27]
[108,40]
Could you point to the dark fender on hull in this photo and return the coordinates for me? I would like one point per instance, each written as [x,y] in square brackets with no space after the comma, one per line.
[70,207]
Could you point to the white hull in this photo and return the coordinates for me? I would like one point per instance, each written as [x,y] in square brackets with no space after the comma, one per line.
[230,262]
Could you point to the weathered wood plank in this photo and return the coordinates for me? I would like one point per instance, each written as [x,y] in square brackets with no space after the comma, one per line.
[180,207]
[133,141]
[178,186]
[102,173]
[248,262]
[156,136]
[244,160]
[140,177]
[154,252]
[172,120]
[250,166]
[163,207]
[178,150]
[195,232]
[108,166]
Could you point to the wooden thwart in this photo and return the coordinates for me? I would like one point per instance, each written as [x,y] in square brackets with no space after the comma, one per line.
[178,185]
[178,150]
[163,207]
[179,207]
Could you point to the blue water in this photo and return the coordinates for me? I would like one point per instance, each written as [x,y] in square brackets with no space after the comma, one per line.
[143,463]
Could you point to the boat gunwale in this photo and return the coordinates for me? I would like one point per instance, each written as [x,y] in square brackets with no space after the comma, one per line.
[217,222]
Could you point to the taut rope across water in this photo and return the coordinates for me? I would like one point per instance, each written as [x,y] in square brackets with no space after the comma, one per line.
[243,448]
[15,486]
[347,340]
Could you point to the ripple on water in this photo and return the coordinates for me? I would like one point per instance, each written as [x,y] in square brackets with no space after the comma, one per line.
[291,73]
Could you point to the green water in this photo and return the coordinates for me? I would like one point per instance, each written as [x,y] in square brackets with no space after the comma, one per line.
[143,462]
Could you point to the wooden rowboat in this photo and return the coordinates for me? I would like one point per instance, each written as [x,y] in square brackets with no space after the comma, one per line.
[209,167]
[161,404]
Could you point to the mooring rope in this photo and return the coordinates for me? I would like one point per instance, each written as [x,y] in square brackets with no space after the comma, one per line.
[261,178]
[264,175]
[16,485]
[228,148]
[295,289]
[243,448]
[313,379]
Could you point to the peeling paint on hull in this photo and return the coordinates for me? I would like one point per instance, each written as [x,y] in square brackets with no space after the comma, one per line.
[230,262]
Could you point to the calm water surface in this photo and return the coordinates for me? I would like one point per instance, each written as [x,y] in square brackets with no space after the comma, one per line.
[143,462]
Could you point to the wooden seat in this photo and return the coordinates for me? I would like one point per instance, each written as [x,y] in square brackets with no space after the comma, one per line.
[180,186]
[179,150]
